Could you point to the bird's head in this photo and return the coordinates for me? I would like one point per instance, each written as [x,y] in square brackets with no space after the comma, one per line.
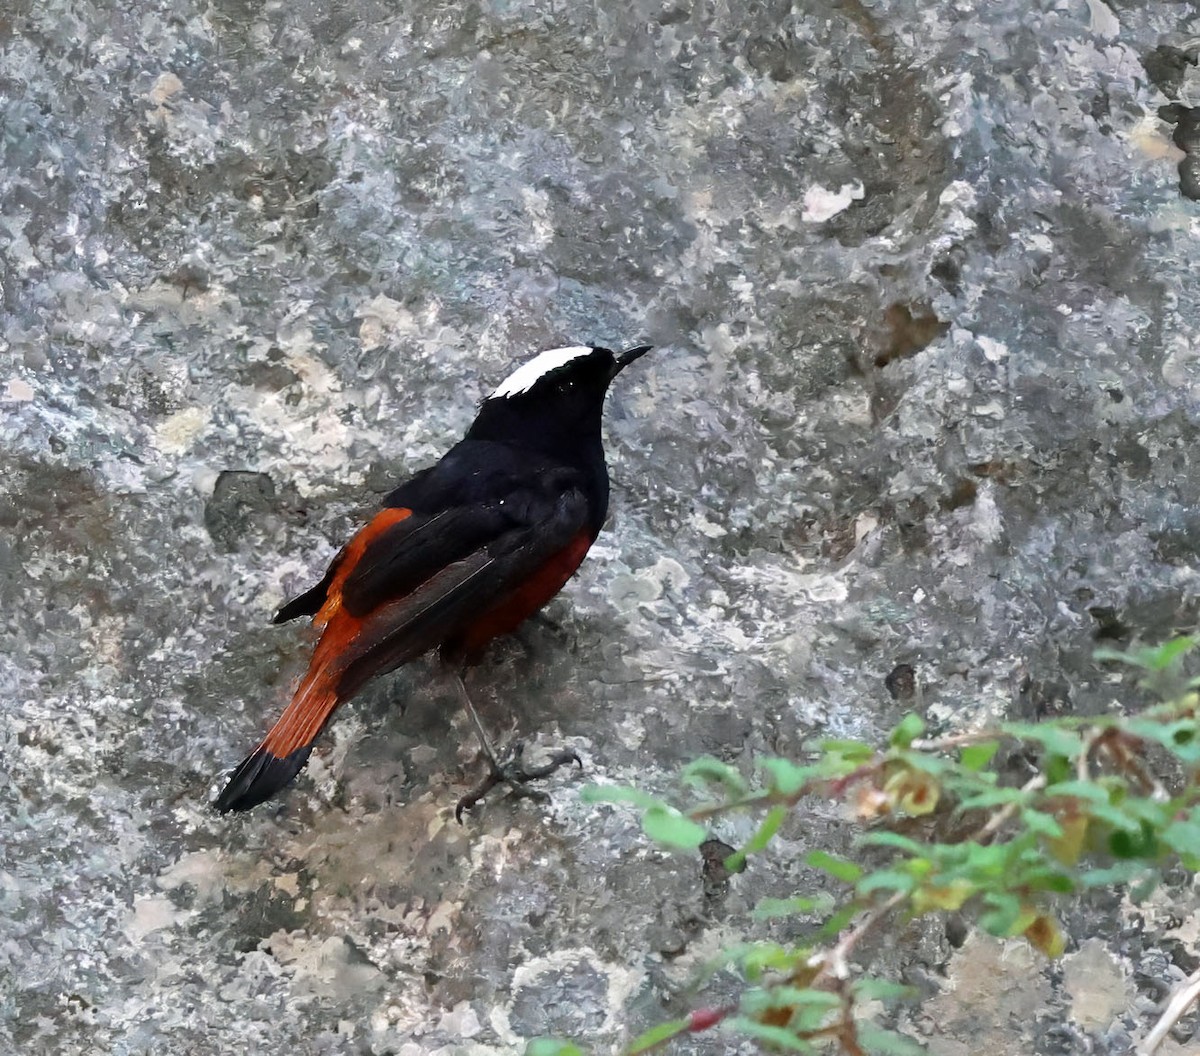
[553,400]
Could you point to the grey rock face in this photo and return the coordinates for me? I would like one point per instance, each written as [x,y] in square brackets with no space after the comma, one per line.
[923,280]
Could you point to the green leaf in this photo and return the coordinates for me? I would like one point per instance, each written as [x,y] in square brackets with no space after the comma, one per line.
[707,770]
[1042,823]
[767,829]
[619,794]
[668,826]
[657,1035]
[784,996]
[883,838]
[839,920]
[888,1042]
[1144,887]
[992,797]
[924,761]
[1057,768]
[1088,790]
[1157,813]
[1005,910]
[886,880]
[984,861]
[1182,737]
[1134,843]
[1156,659]
[1151,658]
[907,730]
[1098,802]
[1183,835]
[975,757]
[837,867]
[786,777]
[787,907]
[1049,880]
[760,957]
[884,990]
[1114,875]
[852,751]
[552,1047]
[1055,739]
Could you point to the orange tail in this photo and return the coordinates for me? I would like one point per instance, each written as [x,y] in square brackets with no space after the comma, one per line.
[287,747]
[284,750]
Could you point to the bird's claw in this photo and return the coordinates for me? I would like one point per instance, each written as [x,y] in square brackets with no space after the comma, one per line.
[512,772]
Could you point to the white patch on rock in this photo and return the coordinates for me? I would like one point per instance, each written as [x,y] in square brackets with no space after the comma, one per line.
[330,967]
[1147,136]
[526,376]
[175,434]
[153,913]
[821,204]
[994,351]
[204,481]
[165,86]
[1179,364]
[380,316]
[540,230]
[1098,986]
[706,527]
[18,390]
[538,973]
[1103,22]
[669,573]
[461,1021]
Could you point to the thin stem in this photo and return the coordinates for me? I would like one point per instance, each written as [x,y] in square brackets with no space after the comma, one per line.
[765,798]
[1082,771]
[1180,1002]
[835,962]
[957,740]
[997,820]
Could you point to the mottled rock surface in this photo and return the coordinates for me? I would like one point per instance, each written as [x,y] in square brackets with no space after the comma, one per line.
[928,393]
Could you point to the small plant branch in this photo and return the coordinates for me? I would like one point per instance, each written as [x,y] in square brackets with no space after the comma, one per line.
[957,740]
[1180,1002]
[997,820]
[699,1020]
[1019,850]
[755,799]
[1082,771]
[834,963]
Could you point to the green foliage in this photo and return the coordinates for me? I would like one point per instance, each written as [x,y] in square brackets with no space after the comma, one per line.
[672,828]
[1150,657]
[1093,815]
[552,1047]
[909,729]
[655,1036]
[835,866]
[974,757]
[707,770]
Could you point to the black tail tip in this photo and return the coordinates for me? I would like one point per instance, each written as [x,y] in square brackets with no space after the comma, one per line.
[259,777]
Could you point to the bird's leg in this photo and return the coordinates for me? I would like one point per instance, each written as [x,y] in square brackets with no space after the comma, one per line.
[511,771]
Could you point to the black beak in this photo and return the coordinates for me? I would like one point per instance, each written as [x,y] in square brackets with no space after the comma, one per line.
[628,356]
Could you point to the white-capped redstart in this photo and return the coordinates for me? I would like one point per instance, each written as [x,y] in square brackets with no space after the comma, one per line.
[458,555]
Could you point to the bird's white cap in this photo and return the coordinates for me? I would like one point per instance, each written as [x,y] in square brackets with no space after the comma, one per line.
[526,376]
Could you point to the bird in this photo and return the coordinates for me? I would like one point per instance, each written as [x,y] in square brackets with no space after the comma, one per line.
[458,555]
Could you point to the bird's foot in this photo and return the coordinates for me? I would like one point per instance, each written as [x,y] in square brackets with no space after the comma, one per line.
[513,773]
